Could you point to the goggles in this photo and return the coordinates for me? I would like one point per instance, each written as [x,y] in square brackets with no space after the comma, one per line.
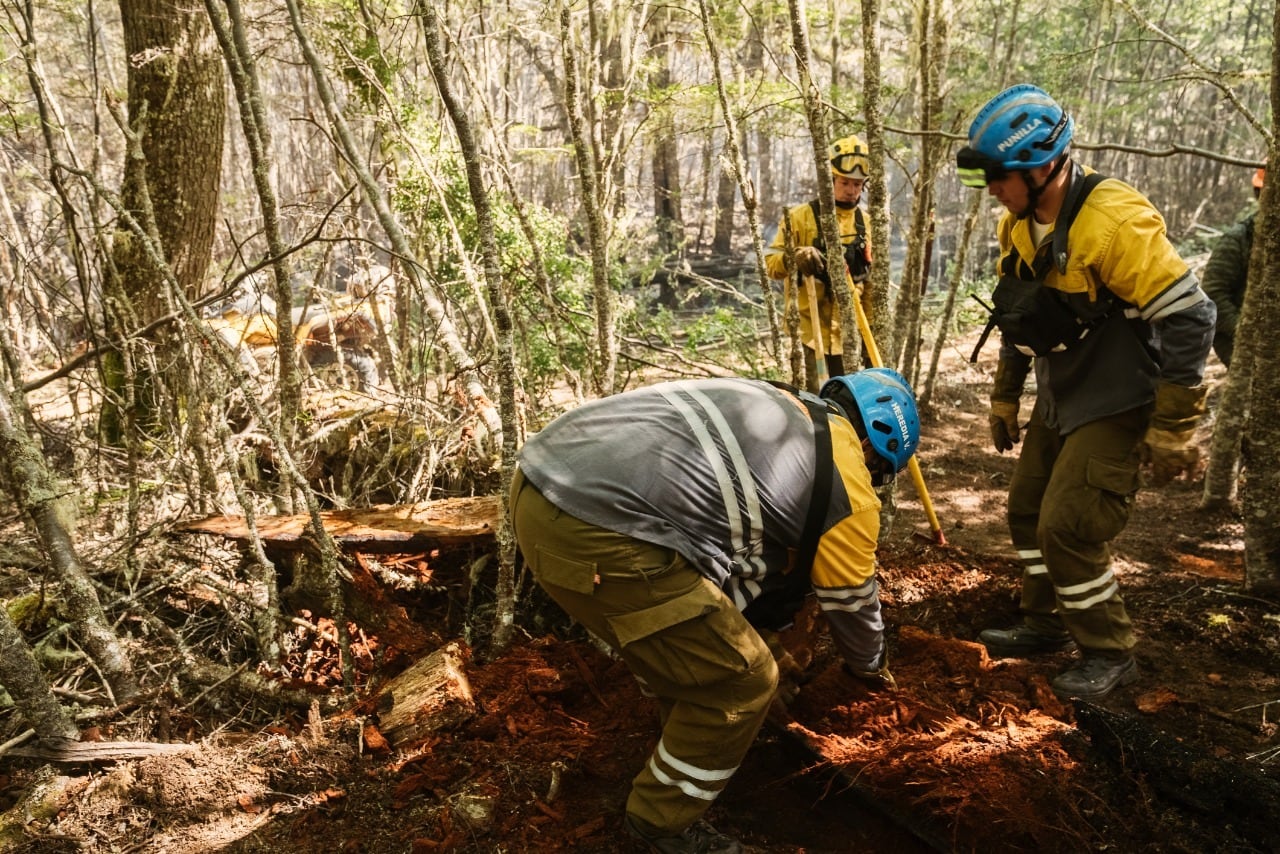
[978,170]
[846,163]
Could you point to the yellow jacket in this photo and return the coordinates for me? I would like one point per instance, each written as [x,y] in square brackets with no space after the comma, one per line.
[1151,321]
[805,231]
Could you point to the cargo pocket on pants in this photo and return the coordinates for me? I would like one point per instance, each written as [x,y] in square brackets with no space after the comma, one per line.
[691,640]
[1110,497]
[562,571]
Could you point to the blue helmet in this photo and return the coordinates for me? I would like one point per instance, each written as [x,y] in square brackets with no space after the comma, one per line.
[1019,129]
[887,407]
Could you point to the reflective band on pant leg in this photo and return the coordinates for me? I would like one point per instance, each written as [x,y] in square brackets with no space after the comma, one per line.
[1027,487]
[1086,504]
[712,721]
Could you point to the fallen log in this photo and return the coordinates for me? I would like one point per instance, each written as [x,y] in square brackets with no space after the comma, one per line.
[99,751]
[431,695]
[1223,789]
[383,528]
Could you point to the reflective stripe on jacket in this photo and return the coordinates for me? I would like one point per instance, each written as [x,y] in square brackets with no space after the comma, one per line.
[721,471]
[1118,249]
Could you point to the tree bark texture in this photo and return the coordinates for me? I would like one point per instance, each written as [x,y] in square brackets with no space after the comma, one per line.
[1222,474]
[668,216]
[22,677]
[1186,776]
[432,694]
[877,187]
[589,184]
[44,500]
[497,296]
[177,105]
[932,30]
[925,392]
[1261,493]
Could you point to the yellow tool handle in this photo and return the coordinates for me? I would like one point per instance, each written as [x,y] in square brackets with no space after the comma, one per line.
[913,465]
[815,323]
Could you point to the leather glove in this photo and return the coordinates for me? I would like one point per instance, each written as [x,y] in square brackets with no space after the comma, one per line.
[1006,392]
[1167,448]
[879,678]
[1169,454]
[788,667]
[1005,432]
[809,261]
[790,671]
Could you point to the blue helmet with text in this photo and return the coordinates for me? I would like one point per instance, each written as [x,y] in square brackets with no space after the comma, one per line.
[887,408]
[1019,129]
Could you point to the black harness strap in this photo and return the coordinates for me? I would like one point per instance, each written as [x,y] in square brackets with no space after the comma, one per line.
[1081,186]
[821,496]
[1079,189]
[775,608]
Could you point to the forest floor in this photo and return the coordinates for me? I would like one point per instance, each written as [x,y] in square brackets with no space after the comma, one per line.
[967,754]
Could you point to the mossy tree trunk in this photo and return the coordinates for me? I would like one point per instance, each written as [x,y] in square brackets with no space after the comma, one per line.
[43,499]
[172,174]
[504,621]
[1261,494]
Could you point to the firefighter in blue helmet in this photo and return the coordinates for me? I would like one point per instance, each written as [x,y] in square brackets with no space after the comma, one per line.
[1092,294]
[680,521]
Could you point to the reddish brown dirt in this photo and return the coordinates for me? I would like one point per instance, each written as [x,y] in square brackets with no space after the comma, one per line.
[968,754]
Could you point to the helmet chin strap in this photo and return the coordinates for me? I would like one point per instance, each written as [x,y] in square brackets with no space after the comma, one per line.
[1034,192]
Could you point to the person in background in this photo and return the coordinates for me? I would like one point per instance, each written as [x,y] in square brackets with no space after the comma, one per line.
[681,522]
[1117,329]
[850,168]
[1227,273]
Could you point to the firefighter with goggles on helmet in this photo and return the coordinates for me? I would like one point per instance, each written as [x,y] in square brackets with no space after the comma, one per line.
[681,522]
[850,168]
[1092,295]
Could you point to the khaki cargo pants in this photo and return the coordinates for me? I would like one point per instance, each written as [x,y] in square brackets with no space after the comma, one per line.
[678,633]
[1069,497]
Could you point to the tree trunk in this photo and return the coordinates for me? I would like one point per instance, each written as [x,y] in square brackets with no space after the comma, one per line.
[43,499]
[487,229]
[907,319]
[816,115]
[255,123]
[877,188]
[949,309]
[431,694]
[668,217]
[25,682]
[177,106]
[172,173]
[749,199]
[726,207]
[589,184]
[1222,475]
[1261,494]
